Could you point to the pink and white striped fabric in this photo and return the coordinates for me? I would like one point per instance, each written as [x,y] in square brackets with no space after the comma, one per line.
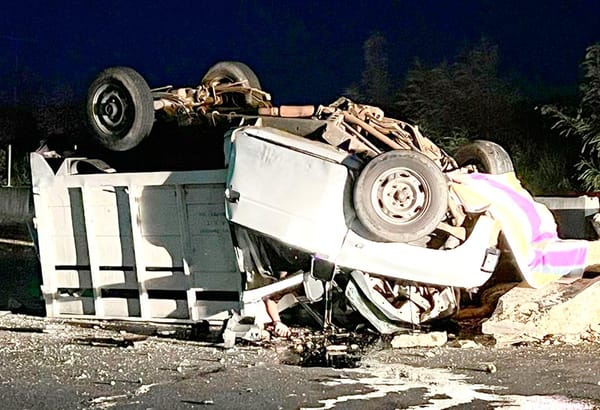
[529,227]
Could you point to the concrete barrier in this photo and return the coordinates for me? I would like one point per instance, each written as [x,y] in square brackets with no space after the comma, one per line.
[573,215]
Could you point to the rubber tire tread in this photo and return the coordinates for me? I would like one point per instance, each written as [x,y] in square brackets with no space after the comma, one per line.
[143,103]
[489,157]
[427,222]
[233,71]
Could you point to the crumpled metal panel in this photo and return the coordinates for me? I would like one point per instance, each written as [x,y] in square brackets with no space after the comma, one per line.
[401,301]
[363,305]
[281,192]
[293,189]
[406,313]
[462,266]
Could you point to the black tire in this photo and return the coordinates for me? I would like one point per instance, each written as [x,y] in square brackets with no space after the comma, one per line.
[120,108]
[233,72]
[401,196]
[487,156]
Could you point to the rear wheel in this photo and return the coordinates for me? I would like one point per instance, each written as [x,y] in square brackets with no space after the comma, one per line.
[401,196]
[120,108]
[488,157]
[227,72]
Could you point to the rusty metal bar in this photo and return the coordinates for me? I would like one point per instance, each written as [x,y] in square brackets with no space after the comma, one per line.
[371,130]
[364,140]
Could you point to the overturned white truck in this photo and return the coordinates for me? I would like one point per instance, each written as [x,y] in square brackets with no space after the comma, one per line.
[341,197]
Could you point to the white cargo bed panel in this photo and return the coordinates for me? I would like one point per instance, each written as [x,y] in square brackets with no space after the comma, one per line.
[153,246]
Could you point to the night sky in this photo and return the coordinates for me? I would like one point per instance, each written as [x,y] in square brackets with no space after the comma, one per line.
[303,52]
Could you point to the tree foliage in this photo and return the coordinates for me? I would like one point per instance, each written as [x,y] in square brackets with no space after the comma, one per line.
[465,99]
[461,100]
[583,122]
[30,112]
[376,82]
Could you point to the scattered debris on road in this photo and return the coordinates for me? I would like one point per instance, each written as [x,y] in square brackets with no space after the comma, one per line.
[114,341]
[419,339]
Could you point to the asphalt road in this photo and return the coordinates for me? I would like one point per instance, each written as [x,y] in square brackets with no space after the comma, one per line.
[48,364]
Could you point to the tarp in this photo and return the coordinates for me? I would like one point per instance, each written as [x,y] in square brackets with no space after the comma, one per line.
[528,226]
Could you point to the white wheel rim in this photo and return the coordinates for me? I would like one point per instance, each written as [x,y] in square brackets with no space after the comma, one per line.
[400,196]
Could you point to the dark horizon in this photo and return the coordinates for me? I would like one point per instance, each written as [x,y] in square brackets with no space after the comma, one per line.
[302,52]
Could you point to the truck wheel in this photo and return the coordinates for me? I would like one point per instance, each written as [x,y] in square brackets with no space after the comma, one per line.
[120,108]
[233,72]
[487,156]
[401,196]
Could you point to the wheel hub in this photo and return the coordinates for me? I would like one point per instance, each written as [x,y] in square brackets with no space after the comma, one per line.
[399,196]
[113,108]
[112,104]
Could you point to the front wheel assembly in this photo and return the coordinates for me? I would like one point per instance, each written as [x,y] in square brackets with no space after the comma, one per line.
[401,196]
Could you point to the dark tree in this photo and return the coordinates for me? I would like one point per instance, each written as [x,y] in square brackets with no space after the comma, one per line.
[583,122]
[463,100]
[375,86]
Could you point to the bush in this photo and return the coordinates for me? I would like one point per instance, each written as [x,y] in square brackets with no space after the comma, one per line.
[466,98]
[583,122]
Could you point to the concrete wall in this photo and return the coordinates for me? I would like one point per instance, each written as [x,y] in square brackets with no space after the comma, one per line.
[573,215]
